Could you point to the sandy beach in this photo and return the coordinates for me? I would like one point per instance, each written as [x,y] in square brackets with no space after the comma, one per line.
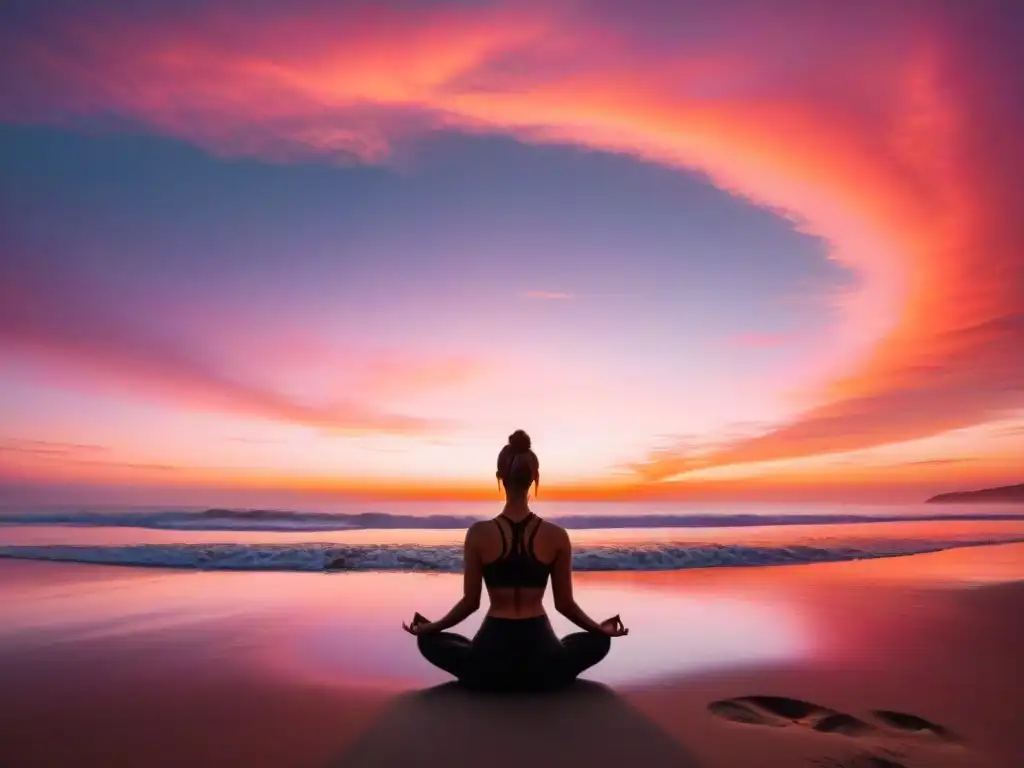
[911,661]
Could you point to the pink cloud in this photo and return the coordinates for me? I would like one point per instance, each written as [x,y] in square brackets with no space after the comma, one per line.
[547,295]
[890,130]
[42,318]
[48,448]
[402,373]
[761,340]
[365,370]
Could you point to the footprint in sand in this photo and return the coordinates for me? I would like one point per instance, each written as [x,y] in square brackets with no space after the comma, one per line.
[912,724]
[780,711]
[861,761]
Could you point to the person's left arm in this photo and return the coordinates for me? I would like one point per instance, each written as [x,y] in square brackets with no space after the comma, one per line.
[472,585]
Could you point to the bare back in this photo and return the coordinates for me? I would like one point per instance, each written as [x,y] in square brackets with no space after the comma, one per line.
[491,540]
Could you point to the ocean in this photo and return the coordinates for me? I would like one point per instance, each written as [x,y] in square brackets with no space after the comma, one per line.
[427,537]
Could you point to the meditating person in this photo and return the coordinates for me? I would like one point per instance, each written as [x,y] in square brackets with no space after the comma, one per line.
[514,554]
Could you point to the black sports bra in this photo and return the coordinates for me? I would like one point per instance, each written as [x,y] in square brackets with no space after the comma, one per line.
[517,566]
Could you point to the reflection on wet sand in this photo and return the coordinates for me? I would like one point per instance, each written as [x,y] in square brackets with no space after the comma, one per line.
[670,633]
[104,666]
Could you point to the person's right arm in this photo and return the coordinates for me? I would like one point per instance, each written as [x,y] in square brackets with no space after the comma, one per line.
[471,589]
[561,587]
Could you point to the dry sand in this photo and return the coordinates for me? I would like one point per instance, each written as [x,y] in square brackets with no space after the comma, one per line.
[937,638]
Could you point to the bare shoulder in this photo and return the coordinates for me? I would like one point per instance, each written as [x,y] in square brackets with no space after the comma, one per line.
[555,532]
[476,529]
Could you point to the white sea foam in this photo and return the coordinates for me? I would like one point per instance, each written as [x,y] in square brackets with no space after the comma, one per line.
[285,520]
[448,558]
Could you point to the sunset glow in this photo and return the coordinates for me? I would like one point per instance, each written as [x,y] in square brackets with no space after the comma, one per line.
[742,250]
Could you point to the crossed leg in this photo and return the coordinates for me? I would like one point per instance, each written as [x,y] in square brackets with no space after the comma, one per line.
[582,651]
[454,654]
[449,651]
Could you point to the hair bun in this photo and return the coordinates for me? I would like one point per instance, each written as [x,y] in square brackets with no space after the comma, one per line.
[519,441]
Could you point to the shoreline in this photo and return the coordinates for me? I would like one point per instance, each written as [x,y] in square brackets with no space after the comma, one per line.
[440,551]
[246,520]
[860,558]
[117,667]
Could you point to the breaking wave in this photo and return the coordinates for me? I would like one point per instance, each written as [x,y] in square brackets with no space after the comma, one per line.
[283,520]
[448,558]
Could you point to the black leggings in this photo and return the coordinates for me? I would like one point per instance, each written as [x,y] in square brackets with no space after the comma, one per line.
[514,654]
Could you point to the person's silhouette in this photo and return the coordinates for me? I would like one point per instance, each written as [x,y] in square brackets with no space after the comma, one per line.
[514,554]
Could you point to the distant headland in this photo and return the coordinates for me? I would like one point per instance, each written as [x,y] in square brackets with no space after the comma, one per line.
[1004,494]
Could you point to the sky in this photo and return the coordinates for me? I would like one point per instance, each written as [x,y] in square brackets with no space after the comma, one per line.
[732,250]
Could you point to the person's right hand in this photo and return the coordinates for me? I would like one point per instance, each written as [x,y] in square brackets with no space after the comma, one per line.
[613,627]
[419,625]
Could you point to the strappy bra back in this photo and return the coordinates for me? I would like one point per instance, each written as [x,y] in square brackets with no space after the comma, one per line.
[517,565]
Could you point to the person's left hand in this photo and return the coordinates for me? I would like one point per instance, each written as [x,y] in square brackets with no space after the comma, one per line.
[614,627]
[418,626]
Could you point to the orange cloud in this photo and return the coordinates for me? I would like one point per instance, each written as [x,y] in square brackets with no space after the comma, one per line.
[47,459]
[42,318]
[891,132]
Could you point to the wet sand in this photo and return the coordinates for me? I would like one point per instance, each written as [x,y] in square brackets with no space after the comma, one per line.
[903,662]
